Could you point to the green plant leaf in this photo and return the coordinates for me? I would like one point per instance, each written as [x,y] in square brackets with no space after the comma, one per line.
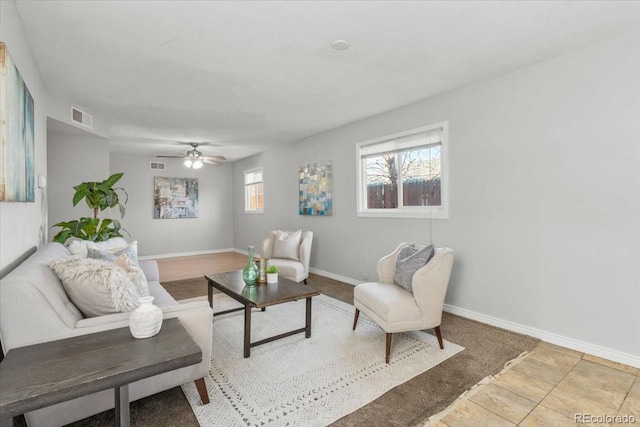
[113,179]
[80,194]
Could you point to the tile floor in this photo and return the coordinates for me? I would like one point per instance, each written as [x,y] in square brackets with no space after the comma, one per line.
[550,387]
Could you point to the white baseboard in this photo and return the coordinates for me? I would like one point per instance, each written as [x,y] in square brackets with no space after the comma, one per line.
[550,337]
[179,254]
[333,276]
[582,346]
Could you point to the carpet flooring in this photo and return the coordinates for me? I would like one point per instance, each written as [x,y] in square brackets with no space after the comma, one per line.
[487,349]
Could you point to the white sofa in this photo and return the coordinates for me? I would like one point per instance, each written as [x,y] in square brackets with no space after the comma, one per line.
[34,308]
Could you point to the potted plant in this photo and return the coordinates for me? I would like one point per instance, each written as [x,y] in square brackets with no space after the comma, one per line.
[98,196]
[272,274]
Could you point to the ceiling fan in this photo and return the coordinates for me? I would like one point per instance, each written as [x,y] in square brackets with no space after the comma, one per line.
[194,158]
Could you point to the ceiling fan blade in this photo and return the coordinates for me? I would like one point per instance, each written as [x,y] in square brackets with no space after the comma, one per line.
[172,157]
[215,157]
[211,162]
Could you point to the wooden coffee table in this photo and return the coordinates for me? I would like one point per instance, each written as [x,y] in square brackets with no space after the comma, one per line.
[260,296]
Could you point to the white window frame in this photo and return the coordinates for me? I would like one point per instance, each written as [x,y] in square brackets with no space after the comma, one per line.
[431,212]
[247,201]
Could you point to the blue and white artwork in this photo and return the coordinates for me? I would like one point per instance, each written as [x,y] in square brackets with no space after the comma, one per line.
[17,175]
[175,197]
[315,189]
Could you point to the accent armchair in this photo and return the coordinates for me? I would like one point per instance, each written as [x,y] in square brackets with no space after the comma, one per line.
[290,251]
[395,309]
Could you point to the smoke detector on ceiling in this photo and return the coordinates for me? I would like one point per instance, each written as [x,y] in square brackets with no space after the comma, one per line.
[81,118]
[340,44]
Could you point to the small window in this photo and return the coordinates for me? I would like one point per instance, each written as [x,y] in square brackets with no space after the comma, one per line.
[404,175]
[253,191]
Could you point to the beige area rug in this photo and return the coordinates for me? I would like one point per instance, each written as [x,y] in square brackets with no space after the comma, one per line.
[305,382]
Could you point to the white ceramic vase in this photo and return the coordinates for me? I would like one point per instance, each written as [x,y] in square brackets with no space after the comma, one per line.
[146,320]
[272,277]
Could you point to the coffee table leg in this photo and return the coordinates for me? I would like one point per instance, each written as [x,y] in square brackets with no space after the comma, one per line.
[122,405]
[307,332]
[247,330]
[210,294]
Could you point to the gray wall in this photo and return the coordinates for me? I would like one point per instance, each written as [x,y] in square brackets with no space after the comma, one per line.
[545,200]
[24,225]
[73,156]
[212,230]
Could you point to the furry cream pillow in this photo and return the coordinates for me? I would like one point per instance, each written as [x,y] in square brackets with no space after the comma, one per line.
[134,273]
[97,287]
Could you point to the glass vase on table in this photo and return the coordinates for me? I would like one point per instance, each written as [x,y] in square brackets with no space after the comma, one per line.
[250,271]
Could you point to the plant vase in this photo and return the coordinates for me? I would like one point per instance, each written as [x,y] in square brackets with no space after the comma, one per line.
[250,271]
[146,320]
[272,277]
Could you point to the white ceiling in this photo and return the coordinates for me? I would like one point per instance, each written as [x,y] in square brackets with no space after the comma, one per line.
[251,75]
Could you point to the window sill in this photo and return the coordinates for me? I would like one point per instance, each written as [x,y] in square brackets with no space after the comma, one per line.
[387,213]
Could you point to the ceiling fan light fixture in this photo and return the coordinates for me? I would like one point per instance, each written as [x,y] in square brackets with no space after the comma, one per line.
[188,163]
[197,164]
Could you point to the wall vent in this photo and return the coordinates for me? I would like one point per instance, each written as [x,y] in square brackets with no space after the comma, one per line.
[160,166]
[82,118]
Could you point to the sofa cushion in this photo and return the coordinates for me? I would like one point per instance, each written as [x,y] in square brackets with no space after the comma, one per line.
[408,261]
[287,245]
[96,287]
[292,270]
[394,308]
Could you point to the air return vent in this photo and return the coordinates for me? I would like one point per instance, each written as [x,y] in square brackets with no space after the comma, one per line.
[159,166]
[81,118]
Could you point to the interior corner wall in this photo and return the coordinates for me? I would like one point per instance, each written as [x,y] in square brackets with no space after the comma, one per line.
[24,225]
[545,199]
[73,158]
[211,231]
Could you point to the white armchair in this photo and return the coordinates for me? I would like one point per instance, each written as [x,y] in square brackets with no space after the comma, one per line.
[398,310]
[294,262]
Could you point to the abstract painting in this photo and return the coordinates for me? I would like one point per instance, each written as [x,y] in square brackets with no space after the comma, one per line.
[315,189]
[17,176]
[175,197]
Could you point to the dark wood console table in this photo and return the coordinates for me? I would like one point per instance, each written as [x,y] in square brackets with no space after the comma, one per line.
[41,375]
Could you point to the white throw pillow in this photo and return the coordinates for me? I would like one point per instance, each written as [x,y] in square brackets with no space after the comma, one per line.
[96,287]
[79,247]
[287,245]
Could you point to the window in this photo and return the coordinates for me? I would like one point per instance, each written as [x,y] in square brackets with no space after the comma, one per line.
[404,175]
[253,191]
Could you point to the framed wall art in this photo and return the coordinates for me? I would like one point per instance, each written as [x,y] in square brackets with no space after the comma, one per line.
[315,189]
[17,145]
[175,197]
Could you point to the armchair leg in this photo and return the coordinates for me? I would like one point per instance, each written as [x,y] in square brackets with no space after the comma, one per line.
[355,319]
[388,347]
[202,390]
[439,335]
[305,282]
